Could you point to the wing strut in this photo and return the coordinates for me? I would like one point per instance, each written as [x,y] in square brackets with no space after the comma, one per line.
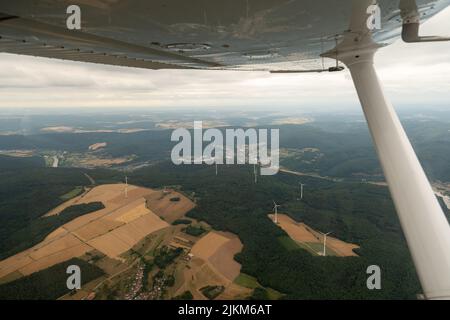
[423,222]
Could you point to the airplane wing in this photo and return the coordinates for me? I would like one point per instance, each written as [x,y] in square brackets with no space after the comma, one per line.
[272,35]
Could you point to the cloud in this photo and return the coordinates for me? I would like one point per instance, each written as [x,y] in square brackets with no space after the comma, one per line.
[411,73]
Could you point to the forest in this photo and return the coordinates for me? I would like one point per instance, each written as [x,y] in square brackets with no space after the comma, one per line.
[38,229]
[341,149]
[28,193]
[48,284]
[359,213]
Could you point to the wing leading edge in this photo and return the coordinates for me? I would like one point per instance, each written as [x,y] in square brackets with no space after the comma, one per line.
[257,35]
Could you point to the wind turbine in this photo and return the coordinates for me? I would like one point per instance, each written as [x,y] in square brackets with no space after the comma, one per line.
[209,160]
[225,160]
[275,208]
[216,165]
[301,190]
[324,253]
[255,169]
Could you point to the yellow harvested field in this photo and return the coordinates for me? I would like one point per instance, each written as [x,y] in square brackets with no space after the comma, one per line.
[113,230]
[13,263]
[55,258]
[122,239]
[208,245]
[58,129]
[235,292]
[209,276]
[342,248]
[134,231]
[302,233]
[66,204]
[97,145]
[296,230]
[130,211]
[66,241]
[223,259]
[200,274]
[109,245]
[213,264]
[11,277]
[219,249]
[159,202]
[93,162]
[133,193]
[57,233]
[82,221]
[147,224]
[96,228]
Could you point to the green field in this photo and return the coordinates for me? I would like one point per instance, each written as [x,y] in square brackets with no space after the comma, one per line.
[318,248]
[247,281]
[309,248]
[288,243]
[250,282]
[72,194]
[314,248]
[273,294]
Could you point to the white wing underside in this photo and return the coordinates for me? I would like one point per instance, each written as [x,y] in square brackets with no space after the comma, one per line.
[271,35]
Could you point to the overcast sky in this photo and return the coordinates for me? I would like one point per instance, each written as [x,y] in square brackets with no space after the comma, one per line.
[413,74]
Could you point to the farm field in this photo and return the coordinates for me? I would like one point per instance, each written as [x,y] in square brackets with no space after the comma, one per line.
[168,205]
[111,231]
[250,282]
[75,192]
[134,224]
[312,240]
[213,264]
[206,261]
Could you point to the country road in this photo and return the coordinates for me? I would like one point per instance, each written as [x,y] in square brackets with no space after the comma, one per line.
[91,180]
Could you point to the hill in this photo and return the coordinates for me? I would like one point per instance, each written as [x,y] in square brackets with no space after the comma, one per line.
[8,162]
[48,284]
[28,193]
[362,214]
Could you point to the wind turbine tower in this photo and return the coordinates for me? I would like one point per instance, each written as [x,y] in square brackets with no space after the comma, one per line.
[210,161]
[275,209]
[324,253]
[255,167]
[301,190]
